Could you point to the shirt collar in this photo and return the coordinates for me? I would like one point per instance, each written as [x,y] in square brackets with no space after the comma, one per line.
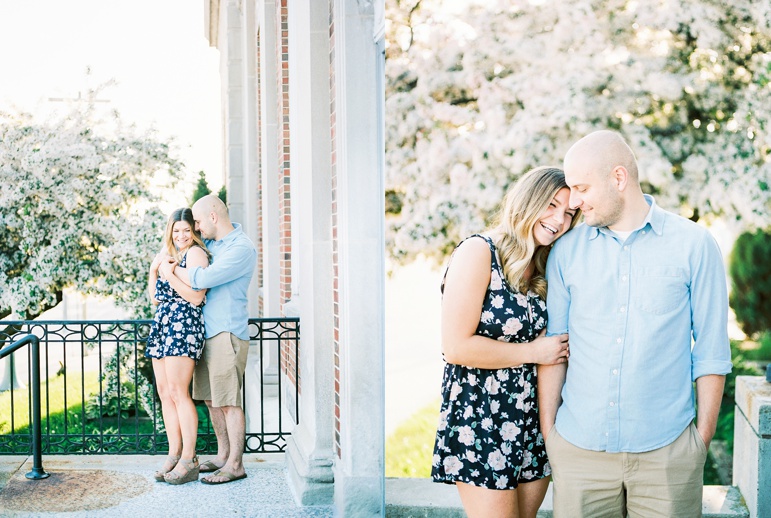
[229,237]
[233,233]
[654,218]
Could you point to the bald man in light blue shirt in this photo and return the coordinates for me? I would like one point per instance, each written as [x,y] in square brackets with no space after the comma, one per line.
[642,294]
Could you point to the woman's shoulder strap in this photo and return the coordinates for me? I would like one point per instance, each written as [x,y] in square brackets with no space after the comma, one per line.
[198,251]
[487,239]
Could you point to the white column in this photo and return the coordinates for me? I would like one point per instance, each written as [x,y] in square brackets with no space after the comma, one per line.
[310,453]
[231,47]
[266,21]
[359,100]
[243,184]
[9,369]
[250,148]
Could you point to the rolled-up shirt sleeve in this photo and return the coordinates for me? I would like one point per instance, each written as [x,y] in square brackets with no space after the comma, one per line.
[557,297]
[229,265]
[711,353]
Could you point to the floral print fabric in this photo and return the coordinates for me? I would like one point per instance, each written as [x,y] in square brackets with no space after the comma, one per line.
[177,329]
[488,433]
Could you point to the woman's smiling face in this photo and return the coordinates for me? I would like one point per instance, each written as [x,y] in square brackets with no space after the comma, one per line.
[182,235]
[555,220]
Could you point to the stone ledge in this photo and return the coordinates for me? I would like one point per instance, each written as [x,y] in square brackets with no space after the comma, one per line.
[421,498]
[753,398]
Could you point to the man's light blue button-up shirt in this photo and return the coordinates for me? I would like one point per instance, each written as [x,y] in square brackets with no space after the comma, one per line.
[227,278]
[646,317]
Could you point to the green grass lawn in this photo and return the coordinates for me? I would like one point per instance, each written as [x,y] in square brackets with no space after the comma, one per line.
[52,401]
[108,434]
[410,448]
[65,424]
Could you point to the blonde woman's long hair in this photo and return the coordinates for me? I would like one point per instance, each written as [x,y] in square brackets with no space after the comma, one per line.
[186,215]
[522,207]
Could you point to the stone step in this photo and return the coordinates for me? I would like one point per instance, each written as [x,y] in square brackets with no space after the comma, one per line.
[421,498]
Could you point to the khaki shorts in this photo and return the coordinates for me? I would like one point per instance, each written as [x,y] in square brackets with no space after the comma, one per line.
[219,375]
[662,482]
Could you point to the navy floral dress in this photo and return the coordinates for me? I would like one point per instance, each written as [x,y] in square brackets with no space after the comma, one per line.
[177,329]
[488,433]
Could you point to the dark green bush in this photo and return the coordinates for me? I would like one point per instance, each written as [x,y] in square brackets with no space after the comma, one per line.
[202,189]
[725,422]
[762,353]
[750,271]
[123,390]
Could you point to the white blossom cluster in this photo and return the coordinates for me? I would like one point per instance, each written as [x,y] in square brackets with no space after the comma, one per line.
[77,210]
[480,91]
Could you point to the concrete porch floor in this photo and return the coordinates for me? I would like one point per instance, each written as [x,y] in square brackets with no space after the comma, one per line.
[123,485]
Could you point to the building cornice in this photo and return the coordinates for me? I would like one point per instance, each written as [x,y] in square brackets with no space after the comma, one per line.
[211,20]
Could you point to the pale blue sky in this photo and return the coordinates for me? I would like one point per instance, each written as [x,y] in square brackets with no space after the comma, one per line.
[168,76]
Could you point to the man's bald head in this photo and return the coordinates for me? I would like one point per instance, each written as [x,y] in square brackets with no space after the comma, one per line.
[601,152]
[211,203]
[211,217]
[601,171]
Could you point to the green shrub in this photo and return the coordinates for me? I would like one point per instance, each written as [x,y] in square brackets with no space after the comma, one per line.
[125,398]
[725,421]
[750,270]
[761,353]
[202,189]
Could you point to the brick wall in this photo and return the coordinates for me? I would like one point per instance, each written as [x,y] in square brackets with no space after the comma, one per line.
[288,359]
[260,237]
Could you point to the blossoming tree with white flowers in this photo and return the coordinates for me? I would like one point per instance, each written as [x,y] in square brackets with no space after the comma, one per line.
[479,91]
[77,209]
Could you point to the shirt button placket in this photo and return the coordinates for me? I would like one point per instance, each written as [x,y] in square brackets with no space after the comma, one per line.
[623,289]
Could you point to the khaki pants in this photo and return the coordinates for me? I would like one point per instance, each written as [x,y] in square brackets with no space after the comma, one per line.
[219,375]
[666,482]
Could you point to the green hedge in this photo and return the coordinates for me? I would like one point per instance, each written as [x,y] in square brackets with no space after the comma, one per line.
[750,271]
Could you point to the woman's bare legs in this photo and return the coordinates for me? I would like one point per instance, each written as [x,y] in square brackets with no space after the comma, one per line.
[522,502]
[480,502]
[168,408]
[530,496]
[179,374]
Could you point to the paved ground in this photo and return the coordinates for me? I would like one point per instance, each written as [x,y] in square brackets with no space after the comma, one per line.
[123,485]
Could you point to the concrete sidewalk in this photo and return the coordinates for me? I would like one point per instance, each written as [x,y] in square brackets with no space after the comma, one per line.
[123,485]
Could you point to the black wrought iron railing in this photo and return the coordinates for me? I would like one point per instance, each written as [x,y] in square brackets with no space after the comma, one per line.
[97,393]
[32,341]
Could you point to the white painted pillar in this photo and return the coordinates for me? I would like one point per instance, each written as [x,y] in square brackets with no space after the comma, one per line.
[250,149]
[231,46]
[309,449]
[271,303]
[244,174]
[8,370]
[359,102]
[752,443]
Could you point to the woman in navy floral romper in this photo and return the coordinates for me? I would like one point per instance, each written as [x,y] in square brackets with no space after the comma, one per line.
[175,344]
[488,440]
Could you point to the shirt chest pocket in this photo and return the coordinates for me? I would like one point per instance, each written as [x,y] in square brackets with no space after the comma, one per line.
[659,289]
